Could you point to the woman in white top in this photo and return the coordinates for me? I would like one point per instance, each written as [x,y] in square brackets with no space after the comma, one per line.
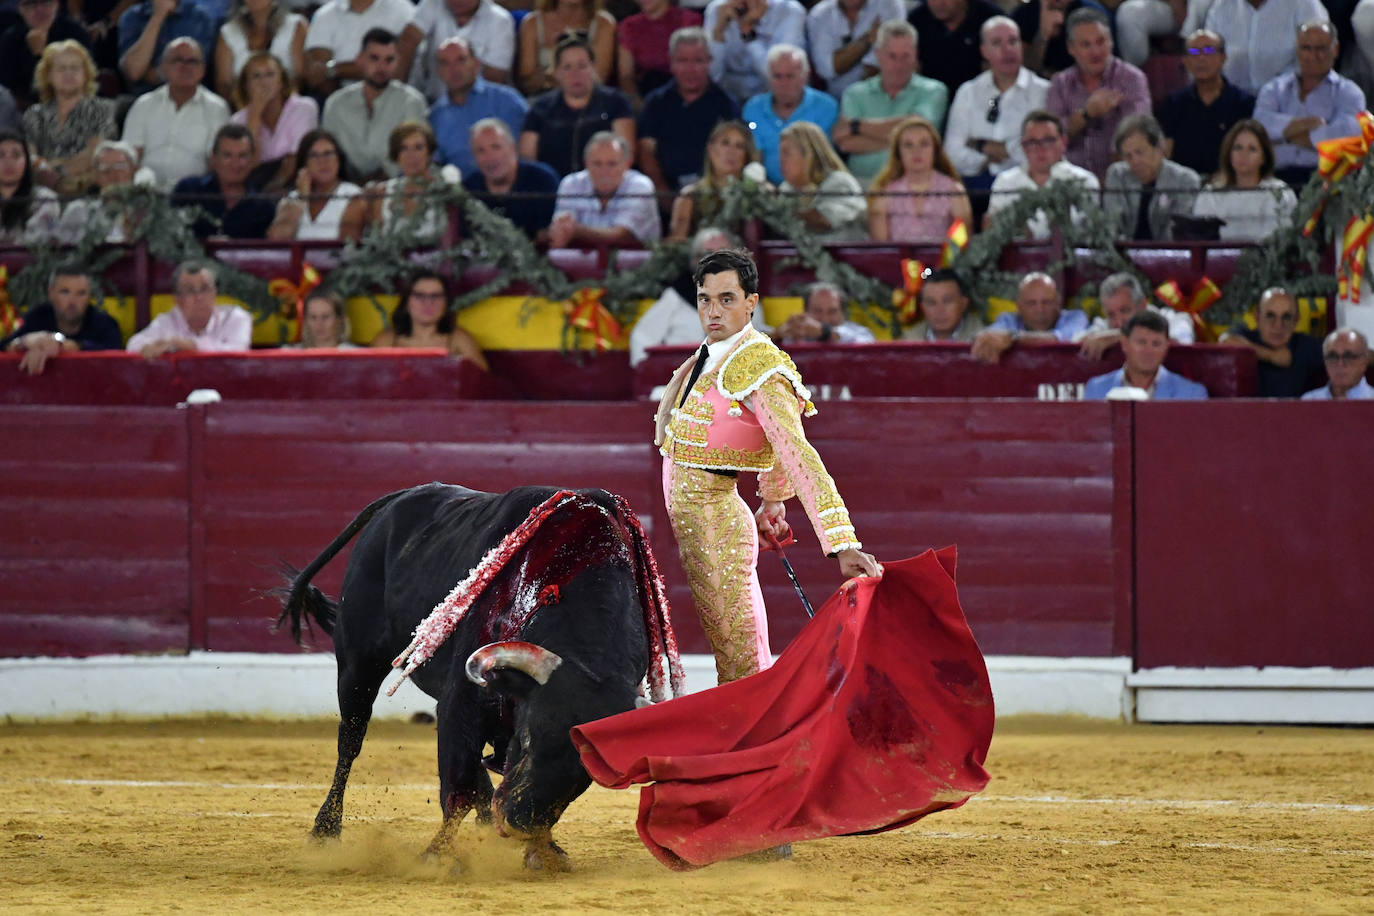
[319,206]
[830,201]
[28,212]
[258,25]
[1244,191]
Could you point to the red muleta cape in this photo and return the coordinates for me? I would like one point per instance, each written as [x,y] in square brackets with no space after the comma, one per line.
[876,715]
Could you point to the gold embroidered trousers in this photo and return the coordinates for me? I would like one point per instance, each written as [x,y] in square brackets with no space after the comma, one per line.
[718,542]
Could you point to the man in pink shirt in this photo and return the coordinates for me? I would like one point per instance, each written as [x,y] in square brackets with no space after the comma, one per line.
[195,322]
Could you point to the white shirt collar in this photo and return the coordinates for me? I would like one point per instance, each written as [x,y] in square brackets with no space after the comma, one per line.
[716,350]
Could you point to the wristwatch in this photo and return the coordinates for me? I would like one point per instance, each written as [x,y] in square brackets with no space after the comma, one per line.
[59,337]
[854,126]
[331,69]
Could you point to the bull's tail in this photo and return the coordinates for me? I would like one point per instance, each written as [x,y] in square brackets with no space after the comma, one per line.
[303,600]
[658,621]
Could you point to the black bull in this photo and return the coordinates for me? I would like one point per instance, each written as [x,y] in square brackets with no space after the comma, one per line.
[583,591]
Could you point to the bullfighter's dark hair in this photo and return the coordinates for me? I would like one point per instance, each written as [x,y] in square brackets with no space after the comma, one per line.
[401,321]
[1148,319]
[726,259]
[944,275]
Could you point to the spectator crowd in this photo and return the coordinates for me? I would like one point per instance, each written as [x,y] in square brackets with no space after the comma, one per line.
[619,124]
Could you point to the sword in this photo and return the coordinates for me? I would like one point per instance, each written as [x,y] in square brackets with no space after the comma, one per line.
[791,573]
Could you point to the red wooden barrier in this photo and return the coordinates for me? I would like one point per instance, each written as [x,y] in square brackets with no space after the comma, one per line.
[945,370]
[1252,527]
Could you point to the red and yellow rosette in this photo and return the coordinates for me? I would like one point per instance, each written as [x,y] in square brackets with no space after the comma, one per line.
[1203,297]
[907,299]
[292,296]
[956,240]
[586,312]
[1354,248]
[1339,157]
[10,319]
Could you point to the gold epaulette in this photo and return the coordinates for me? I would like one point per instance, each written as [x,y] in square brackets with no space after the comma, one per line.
[753,363]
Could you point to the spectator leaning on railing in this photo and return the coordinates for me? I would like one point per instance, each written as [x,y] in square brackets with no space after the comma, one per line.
[1290,362]
[67,322]
[1122,296]
[195,322]
[1040,317]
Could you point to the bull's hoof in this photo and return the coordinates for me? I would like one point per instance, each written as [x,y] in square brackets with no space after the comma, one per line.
[327,833]
[548,858]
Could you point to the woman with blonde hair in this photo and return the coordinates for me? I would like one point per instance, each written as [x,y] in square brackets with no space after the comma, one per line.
[278,117]
[69,121]
[254,26]
[917,195]
[830,201]
[324,324]
[729,148]
[1244,192]
[541,30]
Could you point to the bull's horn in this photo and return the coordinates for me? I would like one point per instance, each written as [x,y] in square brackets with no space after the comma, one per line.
[536,661]
[641,702]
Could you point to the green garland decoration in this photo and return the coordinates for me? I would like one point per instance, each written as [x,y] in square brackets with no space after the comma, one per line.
[165,229]
[381,260]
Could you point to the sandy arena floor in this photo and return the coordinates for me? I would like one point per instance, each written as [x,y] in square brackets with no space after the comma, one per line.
[211,816]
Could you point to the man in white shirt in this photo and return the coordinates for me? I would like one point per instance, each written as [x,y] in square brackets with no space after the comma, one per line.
[173,126]
[607,203]
[842,34]
[335,39]
[741,32]
[363,115]
[1261,38]
[1122,296]
[983,133]
[1042,139]
[488,28]
[195,323]
[1346,354]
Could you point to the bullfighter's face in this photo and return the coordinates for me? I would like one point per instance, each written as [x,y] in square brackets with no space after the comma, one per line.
[722,306]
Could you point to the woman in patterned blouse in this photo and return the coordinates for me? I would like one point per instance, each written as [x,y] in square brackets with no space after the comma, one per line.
[68,122]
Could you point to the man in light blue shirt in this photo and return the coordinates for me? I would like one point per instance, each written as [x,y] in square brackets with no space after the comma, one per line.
[1040,317]
[1309,104]
[1145,343]
[789,99]
[468,99]
[1346,354]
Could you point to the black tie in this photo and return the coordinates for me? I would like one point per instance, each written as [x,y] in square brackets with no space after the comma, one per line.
[696,374]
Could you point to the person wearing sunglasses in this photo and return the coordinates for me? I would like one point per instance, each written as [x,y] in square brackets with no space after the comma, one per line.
[983,135]
[1346,354]
[1290,362]
[1196,117]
